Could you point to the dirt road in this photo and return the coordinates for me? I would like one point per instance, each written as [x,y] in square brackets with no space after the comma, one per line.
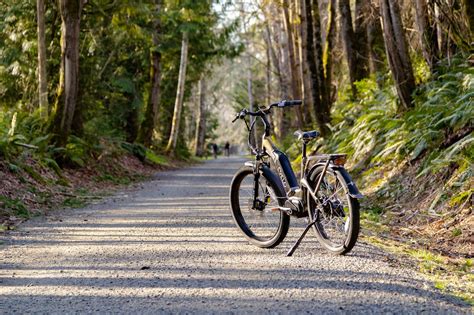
[172,247]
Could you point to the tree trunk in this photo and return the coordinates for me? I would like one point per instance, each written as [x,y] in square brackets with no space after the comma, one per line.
[268,75]
[178,106]
[42,78]
[360,43]
[321,117]
[151,114]
[376,44]
[273,55]
[131,118]
[318,54]
[277,115]
[397,51]
[69,74]
[250,95]
[427,33]
[305,77]
[442,30]
[328,51]
[281,42]
[201,120]
[274,60]
[347,33]
[469,9]
[295,86]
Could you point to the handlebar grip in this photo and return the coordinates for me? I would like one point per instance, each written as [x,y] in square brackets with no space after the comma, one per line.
[292,103]
[235,119]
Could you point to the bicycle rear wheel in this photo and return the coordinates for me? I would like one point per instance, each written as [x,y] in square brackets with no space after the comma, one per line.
[265,227]
[336,212]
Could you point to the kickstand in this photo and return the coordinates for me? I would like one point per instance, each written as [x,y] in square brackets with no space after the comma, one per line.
[295,246]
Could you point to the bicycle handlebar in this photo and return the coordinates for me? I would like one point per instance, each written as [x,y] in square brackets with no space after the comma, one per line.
[264,111]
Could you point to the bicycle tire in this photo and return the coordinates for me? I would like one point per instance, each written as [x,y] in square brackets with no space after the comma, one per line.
[334,210]
[242,212]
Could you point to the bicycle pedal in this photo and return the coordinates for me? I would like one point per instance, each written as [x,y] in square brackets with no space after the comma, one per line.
[286,210]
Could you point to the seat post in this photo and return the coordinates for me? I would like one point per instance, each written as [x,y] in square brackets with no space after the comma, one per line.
[303,158]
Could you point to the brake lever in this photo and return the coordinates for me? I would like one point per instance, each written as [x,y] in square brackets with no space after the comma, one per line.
[240,115]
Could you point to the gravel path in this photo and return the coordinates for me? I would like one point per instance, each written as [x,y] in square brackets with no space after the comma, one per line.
[171,247]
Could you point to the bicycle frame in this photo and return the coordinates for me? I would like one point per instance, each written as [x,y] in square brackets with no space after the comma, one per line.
[282,174]
[286,174]
[281,161]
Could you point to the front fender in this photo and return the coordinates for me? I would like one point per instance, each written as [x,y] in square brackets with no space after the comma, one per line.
[270,175]
[353,190]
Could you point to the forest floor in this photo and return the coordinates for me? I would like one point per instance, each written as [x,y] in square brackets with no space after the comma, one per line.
[169,245]
[399,216]
[405,204]
[33,189]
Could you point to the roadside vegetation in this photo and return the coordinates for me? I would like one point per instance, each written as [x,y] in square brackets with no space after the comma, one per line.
[416,169]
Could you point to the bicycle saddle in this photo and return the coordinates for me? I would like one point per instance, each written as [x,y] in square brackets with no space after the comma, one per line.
[306,135]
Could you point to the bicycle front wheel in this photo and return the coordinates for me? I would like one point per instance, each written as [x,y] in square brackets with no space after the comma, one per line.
[335,211]
[264,226]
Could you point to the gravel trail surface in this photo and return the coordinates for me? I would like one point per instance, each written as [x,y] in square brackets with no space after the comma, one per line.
[171,247]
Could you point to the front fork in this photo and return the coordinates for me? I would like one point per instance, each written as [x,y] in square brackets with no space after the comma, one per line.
[256,178]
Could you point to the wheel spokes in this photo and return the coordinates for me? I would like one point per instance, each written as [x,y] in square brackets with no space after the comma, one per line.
[263,223]
[332,213]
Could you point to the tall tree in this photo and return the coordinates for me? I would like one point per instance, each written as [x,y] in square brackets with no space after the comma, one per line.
[281,52]
[427,33]
[355,40]
[201,120]
[469,9]
[42,79]
[328,50]
[375,41]
[250,94]
[362,9]
[274,58]
[68,89]
[178,106]
[397,51]
[320,111]
[347,33]
[272,41]
[293,69]
[151,113]
[304,72]
[268,73]
[318,54]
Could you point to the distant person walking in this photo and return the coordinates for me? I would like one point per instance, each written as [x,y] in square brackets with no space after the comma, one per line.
[227,149]
[214,150]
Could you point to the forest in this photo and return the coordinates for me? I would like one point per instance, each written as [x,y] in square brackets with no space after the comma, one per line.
[95,93]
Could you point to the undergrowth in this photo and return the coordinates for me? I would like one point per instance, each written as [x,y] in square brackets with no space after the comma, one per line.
[439,126]
[33,179]
[436,135]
